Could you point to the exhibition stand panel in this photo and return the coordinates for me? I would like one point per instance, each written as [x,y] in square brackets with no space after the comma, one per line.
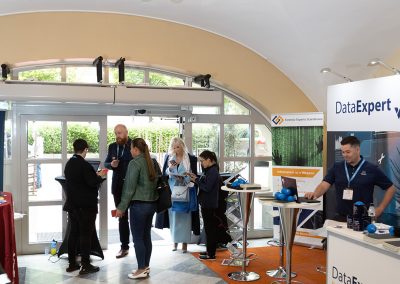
[351,259]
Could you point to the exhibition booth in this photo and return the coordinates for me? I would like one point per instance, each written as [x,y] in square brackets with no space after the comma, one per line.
[367,109]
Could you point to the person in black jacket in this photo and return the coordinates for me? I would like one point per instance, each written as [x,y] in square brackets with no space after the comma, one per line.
[82,190]
[209,184]
[118,158]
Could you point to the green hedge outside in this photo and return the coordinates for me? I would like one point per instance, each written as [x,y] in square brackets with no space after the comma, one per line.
[158,137]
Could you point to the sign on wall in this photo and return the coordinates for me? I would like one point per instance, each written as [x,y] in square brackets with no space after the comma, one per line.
[370,110]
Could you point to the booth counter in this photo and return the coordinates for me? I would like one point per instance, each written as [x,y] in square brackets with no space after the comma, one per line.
[351,259]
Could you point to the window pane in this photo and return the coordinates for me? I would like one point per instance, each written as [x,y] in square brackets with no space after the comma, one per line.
[81,75]
[195,85]
[205,110]
[231,106]
[45,223]
[237,141]
[262,213]
[232,167]
[41,183]
[88,131]
[44,139]
[159,79]
[132,76]
[262,141]
[48,75]
[7,139]
[157,131]
[205,137]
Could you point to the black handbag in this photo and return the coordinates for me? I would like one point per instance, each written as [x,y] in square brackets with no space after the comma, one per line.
[164,191]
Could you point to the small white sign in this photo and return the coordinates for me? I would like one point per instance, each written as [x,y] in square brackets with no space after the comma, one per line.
[297,119]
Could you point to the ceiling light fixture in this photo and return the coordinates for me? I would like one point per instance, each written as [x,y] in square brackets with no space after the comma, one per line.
[328,70]
[377,61]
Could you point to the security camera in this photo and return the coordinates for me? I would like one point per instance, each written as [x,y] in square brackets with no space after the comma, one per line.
[5,70]
[140,111]
[203,80]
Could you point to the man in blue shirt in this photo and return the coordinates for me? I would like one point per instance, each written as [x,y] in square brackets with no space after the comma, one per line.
[118,158]
[354,180]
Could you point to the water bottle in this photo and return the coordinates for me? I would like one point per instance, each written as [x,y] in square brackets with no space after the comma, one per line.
[53,247]
[371,212]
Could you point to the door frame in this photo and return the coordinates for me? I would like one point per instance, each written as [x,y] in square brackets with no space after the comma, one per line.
[26,247]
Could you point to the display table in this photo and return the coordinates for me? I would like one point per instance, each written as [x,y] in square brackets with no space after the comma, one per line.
[353,260]
[96,248]
[8,251]
[246,198]
[288,212]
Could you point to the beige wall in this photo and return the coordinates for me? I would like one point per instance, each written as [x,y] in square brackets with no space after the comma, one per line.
[41,36]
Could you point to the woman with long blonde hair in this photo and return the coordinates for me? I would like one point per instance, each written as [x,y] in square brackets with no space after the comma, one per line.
[179,161]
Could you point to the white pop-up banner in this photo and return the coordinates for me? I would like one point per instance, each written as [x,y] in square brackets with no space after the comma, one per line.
[369,105]
[297,145]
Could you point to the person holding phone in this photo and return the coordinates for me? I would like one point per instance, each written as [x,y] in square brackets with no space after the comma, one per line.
[118,158]
[209,185]
[177,162]
[82,191]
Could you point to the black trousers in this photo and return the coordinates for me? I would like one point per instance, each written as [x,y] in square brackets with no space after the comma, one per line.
[83,224]
[210,226]
[123,222]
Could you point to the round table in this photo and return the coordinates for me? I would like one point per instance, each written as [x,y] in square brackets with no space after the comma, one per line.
[288,213]
[246,197]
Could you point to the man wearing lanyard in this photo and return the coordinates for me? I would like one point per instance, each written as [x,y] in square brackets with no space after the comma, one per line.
[354,180]
[118,158]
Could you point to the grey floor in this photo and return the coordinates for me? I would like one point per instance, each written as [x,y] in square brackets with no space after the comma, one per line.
[166,266]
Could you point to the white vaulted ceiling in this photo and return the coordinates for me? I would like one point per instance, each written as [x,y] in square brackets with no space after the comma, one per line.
[299,37]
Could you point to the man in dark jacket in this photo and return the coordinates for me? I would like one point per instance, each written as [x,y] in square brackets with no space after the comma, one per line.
[82,191]
[118,158]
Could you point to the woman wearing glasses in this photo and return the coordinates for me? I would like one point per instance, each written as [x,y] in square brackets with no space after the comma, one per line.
[209,185]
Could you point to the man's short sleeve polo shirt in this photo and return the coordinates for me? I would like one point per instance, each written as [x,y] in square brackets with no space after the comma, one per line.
[363,184]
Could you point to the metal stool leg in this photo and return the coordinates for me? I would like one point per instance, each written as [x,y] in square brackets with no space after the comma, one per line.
[280,272]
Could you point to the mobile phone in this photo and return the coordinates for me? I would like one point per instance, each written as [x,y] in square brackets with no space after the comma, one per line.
[113,213]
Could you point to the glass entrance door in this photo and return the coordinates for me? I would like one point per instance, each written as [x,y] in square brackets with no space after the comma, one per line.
[46,146]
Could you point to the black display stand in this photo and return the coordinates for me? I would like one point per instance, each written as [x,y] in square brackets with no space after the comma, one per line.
[96,248]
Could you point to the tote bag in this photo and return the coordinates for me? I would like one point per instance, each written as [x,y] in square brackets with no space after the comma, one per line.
[164,201]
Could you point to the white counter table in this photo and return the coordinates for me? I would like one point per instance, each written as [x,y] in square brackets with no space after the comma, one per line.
[353,260]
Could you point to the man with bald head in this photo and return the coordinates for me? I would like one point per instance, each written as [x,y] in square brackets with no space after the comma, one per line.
[118,158]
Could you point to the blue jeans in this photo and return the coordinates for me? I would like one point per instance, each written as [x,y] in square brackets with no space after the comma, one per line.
[141,217]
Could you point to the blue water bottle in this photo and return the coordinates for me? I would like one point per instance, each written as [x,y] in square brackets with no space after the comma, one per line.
[53,247]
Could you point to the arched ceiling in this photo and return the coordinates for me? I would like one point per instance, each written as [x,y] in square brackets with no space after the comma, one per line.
[299,37]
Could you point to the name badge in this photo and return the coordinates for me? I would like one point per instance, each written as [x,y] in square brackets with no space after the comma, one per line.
[348,194]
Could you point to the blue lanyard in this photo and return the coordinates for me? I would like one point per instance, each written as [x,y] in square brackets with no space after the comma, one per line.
[122,154]
[355,173]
